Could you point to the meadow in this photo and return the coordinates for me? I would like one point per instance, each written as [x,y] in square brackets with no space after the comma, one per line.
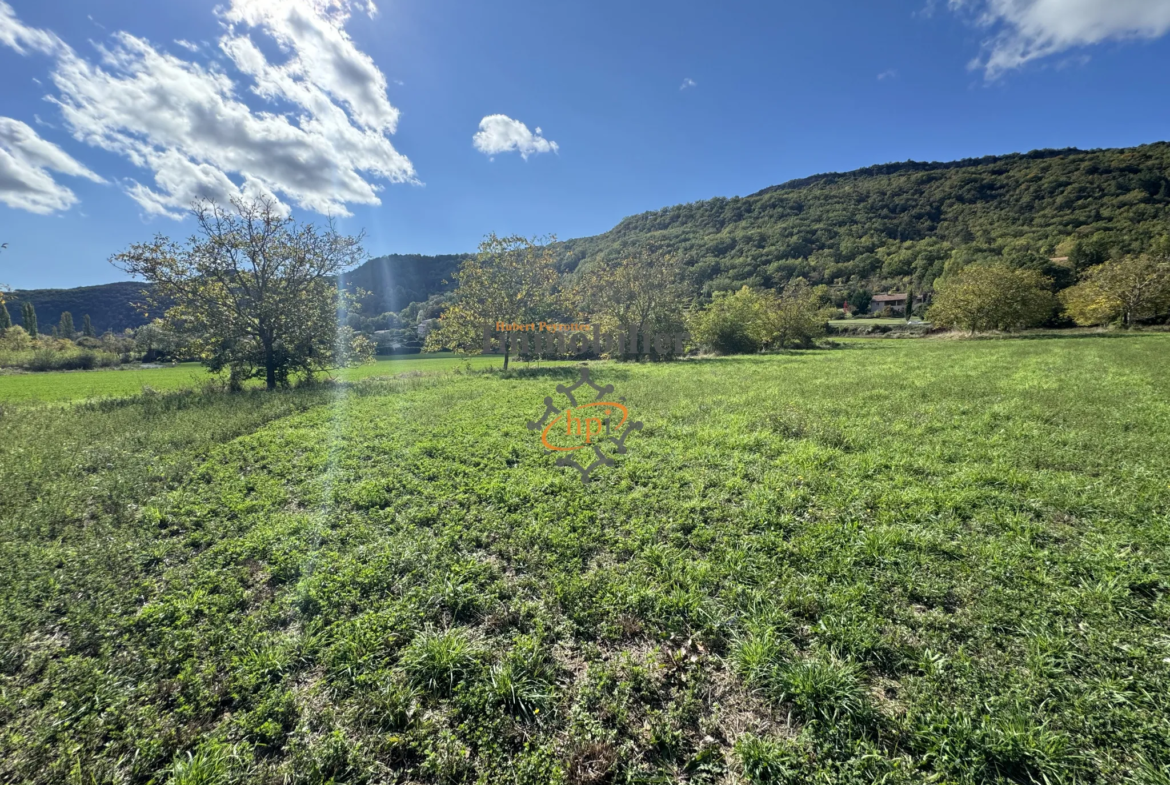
[890,562]
[133,380]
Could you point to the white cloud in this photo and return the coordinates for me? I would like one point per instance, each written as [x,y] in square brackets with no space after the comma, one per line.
[688,82]
[321,141]
[1026,30]
[14,34]
[188,45]
[25,161]
[887,74]
[322,55]
[501,134]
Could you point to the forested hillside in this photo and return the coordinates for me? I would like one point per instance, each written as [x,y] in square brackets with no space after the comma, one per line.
[882,227]
[392,282]
[397,280]
[110,306]
[894,224]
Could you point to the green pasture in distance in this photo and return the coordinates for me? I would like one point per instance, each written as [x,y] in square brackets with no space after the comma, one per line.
[119,382]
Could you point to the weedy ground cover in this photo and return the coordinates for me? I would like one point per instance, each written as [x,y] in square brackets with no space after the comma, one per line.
[900,561]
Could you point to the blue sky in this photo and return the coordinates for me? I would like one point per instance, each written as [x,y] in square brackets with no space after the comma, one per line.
[416,121]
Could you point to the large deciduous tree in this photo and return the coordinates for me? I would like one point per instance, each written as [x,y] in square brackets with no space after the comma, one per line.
[253,291]
[510,280]
[797,317]
[992,297]
[641,292]
[1126,290]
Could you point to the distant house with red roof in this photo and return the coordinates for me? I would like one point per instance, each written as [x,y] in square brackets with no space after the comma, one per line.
[895,302]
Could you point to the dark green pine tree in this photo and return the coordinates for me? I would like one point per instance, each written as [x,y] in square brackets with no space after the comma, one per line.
[5,317]
[65,327]
[28,318]
[909,303]
[86,326]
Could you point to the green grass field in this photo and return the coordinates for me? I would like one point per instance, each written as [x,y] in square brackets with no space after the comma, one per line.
[893,562]
[120,382]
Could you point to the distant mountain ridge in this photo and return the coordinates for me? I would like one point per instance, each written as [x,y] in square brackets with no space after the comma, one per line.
[395,281]
[392,282]
[914,166]
[109,306]
[883,226]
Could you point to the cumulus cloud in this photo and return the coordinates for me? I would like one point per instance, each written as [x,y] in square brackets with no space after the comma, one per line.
[321,140]
[322,56]
[688,82]
[25,162]
[501,134]
[1026,30]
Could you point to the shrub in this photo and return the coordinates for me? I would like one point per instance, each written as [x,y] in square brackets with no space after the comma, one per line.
[1128,290]
[726,325]
[750,320]
[42,356]
[992,297]
[84,360]
[15,339]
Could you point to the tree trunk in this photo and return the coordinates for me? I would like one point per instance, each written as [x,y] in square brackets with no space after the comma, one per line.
[507,351]
[269,368]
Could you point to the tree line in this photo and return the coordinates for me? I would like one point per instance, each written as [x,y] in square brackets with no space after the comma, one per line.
[1125,291]
[254,293]
[517,280]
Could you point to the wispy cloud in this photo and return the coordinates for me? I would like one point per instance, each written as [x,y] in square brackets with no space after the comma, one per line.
[501,134]
[887,74]
[25,162]
[321,141]
[188,45]
[23,39]
[927,10]
[688,83]
[1021,31]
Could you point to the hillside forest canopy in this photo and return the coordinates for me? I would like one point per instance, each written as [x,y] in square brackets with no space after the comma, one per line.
[896,226]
